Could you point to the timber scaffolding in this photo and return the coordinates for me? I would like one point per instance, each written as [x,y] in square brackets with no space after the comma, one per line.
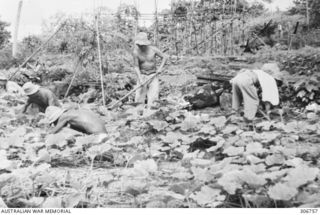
[204,27]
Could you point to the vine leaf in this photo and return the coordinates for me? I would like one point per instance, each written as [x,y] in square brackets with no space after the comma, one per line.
[282,192]
[52,202]
[208,196]
[301,175]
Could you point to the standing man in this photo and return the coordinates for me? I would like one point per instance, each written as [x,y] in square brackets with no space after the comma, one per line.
[145,66]
[40,96]
[244,89]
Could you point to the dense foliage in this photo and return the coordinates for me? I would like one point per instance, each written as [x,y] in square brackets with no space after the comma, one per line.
[4,34]
[300,7]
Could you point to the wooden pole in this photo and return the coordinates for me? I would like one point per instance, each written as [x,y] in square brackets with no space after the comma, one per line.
[73,77]
[135,89]
[36,51]
[211,39]
[156,23]
[231,38]
[100,61]
[307,13]
[16,30]
[136,19]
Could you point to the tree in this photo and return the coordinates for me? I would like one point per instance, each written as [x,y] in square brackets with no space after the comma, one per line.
[29,44]
[314,10]
[256,9]
[315,13]
[4,34]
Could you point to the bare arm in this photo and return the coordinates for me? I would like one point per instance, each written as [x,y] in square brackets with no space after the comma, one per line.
[136,65]
[26,106]
[162,55]
[62,123]
[52,101]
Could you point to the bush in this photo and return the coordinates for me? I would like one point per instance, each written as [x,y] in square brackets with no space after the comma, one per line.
[6,59]
[4,34]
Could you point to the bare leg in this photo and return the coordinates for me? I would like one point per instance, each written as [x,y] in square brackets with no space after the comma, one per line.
[251,99]
[141,93]
[236,97]
[153,91]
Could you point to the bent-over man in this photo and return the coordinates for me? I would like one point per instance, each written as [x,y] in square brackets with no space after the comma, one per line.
[145,66]
[244,89]
[81,120]
[40,96]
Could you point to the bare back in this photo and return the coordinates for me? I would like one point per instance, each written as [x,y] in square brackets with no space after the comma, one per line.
[84,121]
[44,98]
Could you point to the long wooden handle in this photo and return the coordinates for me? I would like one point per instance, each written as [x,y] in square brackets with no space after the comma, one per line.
[135,89]
[36,51]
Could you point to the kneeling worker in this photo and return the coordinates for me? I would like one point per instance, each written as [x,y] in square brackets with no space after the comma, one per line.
[40,96]
[244,89]
[79,119]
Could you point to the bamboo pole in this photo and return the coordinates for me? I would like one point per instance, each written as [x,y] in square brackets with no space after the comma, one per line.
[211,41]
[231,38]
[75,71]
[307,13]
[205,40]
[156,30]
[135,89]
[16,30]
[100,60]
[36,51]
[136,19]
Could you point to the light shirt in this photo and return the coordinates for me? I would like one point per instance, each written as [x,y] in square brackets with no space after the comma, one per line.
[269,87]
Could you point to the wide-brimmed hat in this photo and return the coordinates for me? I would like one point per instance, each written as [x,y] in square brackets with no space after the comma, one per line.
[273,70]
[142,39]
[30,88]
[53,113]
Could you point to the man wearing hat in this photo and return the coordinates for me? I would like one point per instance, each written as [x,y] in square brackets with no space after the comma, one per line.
[40,96]
[10,86]
[79,119]
[244,89]
[145,66]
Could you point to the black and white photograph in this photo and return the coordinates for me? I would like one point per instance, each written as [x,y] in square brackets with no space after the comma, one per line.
[127,104]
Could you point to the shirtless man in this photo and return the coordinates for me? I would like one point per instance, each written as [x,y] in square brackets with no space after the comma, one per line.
[79,119]
[40,96]
[145,66]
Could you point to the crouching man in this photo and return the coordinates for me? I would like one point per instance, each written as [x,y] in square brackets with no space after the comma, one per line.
[244,89]
[40,96]
[81,120]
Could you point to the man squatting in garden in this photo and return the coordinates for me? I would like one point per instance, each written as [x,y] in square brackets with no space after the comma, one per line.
[244,89]
[81,120]
[145,66]
[40,96]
